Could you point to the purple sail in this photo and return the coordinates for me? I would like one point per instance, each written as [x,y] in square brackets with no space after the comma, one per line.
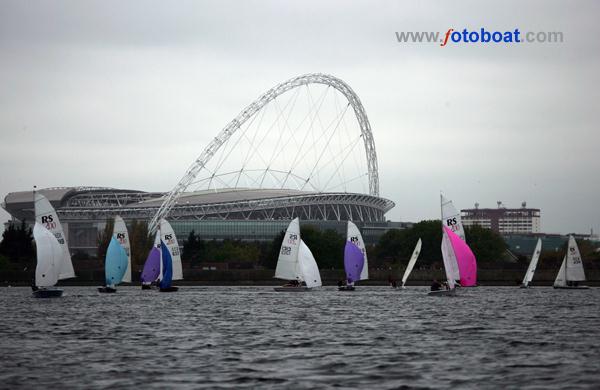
[151,267]
[354,260]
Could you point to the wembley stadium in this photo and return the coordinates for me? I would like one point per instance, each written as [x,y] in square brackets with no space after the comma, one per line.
[296,151]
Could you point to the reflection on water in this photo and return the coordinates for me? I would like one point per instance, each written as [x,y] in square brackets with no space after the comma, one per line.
[247,337]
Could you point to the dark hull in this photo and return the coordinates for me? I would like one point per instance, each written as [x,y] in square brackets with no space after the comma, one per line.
[292,289]
[169,289]
[48,293]
[572,287]
[346,288]
[442,293]
[147,287]
[108,290]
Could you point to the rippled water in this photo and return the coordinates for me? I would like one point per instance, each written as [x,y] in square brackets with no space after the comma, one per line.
[247,337]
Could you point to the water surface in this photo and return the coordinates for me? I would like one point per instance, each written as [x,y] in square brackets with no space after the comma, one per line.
[248,337]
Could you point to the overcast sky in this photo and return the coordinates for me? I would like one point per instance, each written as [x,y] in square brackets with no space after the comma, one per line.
[127,94]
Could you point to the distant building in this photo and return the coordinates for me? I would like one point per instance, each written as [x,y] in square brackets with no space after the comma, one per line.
[504,220]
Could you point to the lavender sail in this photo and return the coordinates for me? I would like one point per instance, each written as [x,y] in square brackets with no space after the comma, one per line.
[151,267]
[354,260]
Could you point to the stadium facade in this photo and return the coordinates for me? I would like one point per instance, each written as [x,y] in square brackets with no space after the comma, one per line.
[245,214]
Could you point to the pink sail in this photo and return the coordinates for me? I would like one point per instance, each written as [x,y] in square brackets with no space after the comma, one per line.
[467,265]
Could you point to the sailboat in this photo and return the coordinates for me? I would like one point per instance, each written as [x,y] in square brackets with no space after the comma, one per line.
[49,258]
[411,263]
[170,254]
[151,270]
[532,264]
[296,263]
[356,264]
[47,217]
[117,263]
[459,261]
[53,255]
[571,270]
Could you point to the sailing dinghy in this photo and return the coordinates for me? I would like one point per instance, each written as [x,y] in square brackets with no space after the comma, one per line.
[356,265]
[532,264]
[117,263]
[571,270]
[48,218]
[459,261]
[53,256]
[296,263]
[411,263]
[151,270]
[49,258]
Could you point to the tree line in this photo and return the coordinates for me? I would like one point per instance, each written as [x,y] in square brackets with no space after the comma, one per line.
[392,250]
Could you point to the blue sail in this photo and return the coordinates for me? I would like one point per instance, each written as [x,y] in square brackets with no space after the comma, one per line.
[115,263]
[167,263]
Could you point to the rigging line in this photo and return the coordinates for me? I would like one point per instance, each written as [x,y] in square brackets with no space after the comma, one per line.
[255,148]
[281,134]
[332,152]
[342,162]
[276,151]
[362,175]
[247,158]
[323,151]
[307,133]
[223,156]
[334,120]
[288,128]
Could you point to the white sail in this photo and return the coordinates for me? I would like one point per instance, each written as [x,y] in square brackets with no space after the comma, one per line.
[167,235]
[308,266]
[47,217]
[533,263]
[120,234]
[451,217]
[353,235]
[561,280]
[411,262]
[450,264]
[287,263]
[574,271]
[49,256]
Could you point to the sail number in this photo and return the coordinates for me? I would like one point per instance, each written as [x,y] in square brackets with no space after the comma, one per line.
[48,222]
[286,250]
[293,237]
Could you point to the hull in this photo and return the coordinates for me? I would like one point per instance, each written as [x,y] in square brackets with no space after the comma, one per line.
[442,293]
[523,286]
[572,287]
[292,289]
[147,287]
[169,289]
[106,289]
[346,288]
[48,293]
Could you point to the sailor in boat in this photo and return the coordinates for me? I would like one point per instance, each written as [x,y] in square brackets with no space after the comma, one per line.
[292,283]
[436,286]
[341,283]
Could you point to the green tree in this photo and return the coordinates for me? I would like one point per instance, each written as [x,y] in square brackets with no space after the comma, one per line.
[17,243]
[104,238]
[488,246]
[141,242]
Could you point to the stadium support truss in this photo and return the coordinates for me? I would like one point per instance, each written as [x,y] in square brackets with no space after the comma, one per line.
[313,78]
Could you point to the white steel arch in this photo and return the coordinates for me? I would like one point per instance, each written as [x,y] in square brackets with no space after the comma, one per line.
[257,105]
